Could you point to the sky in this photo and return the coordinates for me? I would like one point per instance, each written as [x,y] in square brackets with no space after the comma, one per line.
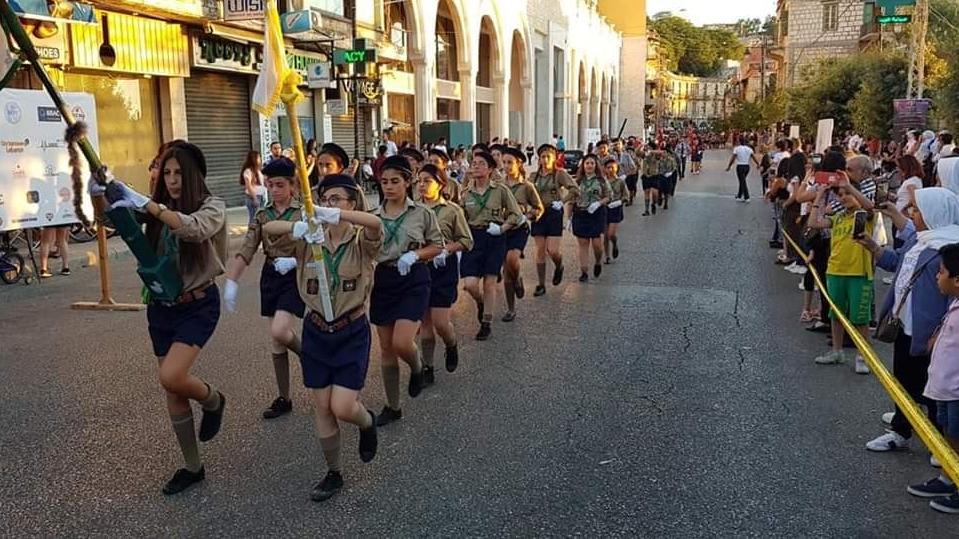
[701,12]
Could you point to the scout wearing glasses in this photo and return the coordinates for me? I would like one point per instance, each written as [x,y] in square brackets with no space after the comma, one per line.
[401,287]
[279,299]
[188,224]
[531,206]
[336,353]
[444,271]
[589,215]
[618,195]
[333,159]
[550,182]
[491,211]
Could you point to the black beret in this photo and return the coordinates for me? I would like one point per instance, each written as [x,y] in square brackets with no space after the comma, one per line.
[488,157]
[433,171]
[399,164]
[336,151]
[337,180]
[441,154]
[281,167]
[520,156]
[480,147]
[194,151]
[497,148]
[414,153]
[546,148]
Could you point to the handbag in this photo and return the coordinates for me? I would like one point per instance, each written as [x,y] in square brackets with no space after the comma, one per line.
[890,325]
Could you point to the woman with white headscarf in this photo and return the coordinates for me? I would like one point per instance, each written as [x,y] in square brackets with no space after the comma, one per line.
[925,146]
[948,172]
[915,298]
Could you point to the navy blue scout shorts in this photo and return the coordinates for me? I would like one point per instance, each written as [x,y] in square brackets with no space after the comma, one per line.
[279,292]
[188,323]
[444,283]
[397,297]
[517,238]
[340,358]
[589,225]
[486,257]
[614,215]
[549,224]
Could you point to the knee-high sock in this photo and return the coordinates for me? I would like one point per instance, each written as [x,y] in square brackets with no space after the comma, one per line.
[212,400]
[510,291]
[391,383]
[186,437]
[295,345]
[281,368]
[331,451]
[361,418]
[427,348]
[646,202]
[541,273]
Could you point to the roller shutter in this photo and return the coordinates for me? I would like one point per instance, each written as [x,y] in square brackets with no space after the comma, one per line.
[343,134]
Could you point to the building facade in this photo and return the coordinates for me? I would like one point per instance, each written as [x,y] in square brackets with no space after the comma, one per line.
[674,101]
[810,30]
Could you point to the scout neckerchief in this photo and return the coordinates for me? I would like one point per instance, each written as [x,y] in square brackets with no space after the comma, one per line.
[392,227]
[333,262]
[287,214]
[543,186]
[587,187]
[481,200]
[171,248]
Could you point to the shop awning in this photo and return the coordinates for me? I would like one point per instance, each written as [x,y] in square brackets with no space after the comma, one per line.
[70,12]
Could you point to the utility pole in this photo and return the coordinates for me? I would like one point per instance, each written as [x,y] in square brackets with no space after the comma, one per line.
[917,53]
[356,87]
[762,71]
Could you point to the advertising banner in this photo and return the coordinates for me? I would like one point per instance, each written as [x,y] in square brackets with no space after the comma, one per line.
[35,185]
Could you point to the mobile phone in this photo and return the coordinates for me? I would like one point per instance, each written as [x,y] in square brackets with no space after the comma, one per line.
[882,192]
[826,178]
[859,227]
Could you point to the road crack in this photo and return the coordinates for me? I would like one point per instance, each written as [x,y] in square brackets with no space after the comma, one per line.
[686,338]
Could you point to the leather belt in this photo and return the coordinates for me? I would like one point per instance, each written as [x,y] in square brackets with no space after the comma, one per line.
[190,296]
[338,324]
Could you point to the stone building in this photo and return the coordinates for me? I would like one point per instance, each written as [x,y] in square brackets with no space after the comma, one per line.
[810,30]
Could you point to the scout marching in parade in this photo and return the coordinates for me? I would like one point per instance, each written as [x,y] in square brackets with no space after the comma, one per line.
[396,267]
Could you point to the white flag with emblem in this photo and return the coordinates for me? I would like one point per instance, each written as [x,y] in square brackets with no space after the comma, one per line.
[9,62]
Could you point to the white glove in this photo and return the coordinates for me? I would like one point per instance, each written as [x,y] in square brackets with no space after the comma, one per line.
[522,220]
[284,264]
[229,295]
[300,228]
[323,215]
[316,236]
[557,205]
[131,198]
[616,204]
[593,207]
[406,262]
[494,229]
[439,261]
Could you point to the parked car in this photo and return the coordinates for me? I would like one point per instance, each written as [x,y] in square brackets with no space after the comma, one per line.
[572,159]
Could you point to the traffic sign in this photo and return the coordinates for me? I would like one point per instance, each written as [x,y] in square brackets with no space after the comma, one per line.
[242,10]
[893,19]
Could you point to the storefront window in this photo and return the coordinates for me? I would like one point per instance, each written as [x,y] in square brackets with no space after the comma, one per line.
[128,123]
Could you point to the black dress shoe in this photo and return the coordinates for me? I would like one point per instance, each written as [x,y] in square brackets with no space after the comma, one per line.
[368,442]
[388,415]
[485,331]
[279,407]
[597,270]
[429,376]
[645,213]
[509,316]
[654,209]
[452,358]
[480,310]
[558,275]
[615,251]
[519,288]
[212,419]
[182,480]
[583,277]
[328,487]
[415,386]
[540,291]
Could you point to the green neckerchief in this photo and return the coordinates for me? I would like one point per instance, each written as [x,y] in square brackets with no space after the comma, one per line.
[483,200]
[392,227]
[332,262]
[287,214]
[171,248]
[541,187]
[588,183]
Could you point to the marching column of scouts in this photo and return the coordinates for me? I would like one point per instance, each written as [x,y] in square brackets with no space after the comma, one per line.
[396,266]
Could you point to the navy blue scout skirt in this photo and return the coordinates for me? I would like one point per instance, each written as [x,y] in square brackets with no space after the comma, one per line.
[444,283]
[396,297]
[652,182]
[486,257]
[549,224]
[631,181]
[589,225]
[279,292]
[614,215]
[340,358]
[188,323]
[517,238]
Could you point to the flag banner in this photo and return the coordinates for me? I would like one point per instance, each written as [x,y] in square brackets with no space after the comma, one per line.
[276,79]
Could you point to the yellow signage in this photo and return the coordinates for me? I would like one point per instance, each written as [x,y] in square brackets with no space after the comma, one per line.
[128,44]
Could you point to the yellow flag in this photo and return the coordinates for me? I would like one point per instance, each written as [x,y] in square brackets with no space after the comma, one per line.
[276,79]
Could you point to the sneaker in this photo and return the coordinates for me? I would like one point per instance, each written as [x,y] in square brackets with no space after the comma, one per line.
[933,488]
[509,316]
[65,271]
[861,366]
[583,277]
[791,267]
[947,504]
[830,358]
[388,415]
[429,376]
[368,442]
[799,270]
[557,277]
[887,280]
[540,291]
[819,327]
[328,487]
[520,288]
[886,418]
[934,462]
[415,387]
[890,441]
[279,407]
[452,358]
[212,419]
[182,480]
[485,331]
[45,274]
[597,270]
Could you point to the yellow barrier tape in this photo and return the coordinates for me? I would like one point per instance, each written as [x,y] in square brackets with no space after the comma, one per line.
[920,423]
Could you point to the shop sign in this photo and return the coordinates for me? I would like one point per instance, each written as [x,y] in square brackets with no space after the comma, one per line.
[242,10]
[131,44]
[226,55]
[319,75]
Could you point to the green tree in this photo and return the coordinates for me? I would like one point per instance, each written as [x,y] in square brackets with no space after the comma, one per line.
[693,50]
[944,45]
[745,27]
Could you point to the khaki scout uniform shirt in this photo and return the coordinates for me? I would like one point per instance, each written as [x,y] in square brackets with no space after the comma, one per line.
[273,246]
[527,198]
[452,222]
[349,272]
[652,165]
[415,228]
[496,205]
[668,163]
[591,190]
[550,187]
[207,227]
[617,189]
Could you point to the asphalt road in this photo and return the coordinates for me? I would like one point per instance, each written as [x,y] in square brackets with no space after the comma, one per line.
[675,396]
